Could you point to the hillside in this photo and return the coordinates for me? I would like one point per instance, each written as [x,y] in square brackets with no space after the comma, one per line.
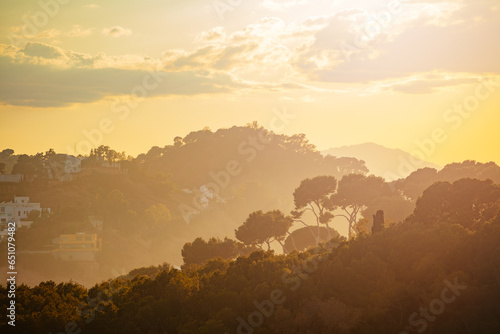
[414,277]
[204,185]
[382,161]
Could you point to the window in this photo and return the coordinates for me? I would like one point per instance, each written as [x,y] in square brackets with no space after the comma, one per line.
[88,238]
[64,239]
[79,238]
[2,209]
[18,213]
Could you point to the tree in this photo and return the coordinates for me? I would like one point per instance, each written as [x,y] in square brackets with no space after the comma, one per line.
[7,160]
[260,228]
[415,184]
[468,202]
[308,236]
[116,210]
[158,215]
[105,154]
[6,153]
[378,222]
[195,136]
[345,165]
[470,169]
[200,251]
[32,167]
[33,215]
[312,195]
[356,191]
[178,142]
[50,154]
[396,207]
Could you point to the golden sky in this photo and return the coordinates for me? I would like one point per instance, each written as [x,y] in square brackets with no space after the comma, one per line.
[420,75]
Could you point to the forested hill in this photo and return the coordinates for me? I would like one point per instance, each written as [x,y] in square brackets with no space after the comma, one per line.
[422,275]
[204,184]
[437,249]
[171,203]
[253,153]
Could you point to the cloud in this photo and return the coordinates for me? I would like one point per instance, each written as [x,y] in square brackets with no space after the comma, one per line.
[19,35]
[116,31]
[78,31]
[274,54]
[67,77]
[42,50]
[92,6]
[43,86]
[420,39]
[259,49]
[216,34]
[431,83]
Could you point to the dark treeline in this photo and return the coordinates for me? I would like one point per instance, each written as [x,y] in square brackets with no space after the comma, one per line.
[438,272]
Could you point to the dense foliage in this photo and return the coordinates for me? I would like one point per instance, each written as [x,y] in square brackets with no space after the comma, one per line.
[435,275]
[432,265]
[153,204]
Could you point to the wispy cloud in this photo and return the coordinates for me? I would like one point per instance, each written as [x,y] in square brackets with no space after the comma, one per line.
[273,53]
[41,75]
[116,31]
[79,31]
[42,50]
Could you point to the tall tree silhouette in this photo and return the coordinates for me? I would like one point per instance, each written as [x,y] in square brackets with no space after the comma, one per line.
[355,192]
[264,228]
[313,195]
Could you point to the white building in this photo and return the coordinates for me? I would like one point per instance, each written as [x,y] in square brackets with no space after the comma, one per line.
[63,166]
[17,210]
[72,164]
[15,178]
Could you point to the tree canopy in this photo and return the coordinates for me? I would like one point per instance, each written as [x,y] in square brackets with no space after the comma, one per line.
[263,228]
[468,202]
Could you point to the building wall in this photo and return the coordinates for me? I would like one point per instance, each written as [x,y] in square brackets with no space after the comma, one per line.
[72,165]
[15,178]
[78,247]
[17,210]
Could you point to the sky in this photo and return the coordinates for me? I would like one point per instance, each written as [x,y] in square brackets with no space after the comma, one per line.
[419,75]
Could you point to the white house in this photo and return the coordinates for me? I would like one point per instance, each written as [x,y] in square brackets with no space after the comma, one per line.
[15,178]
[72,164]
[63,166]
[17,210]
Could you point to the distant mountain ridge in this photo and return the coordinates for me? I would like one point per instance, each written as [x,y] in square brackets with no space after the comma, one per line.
[382,161]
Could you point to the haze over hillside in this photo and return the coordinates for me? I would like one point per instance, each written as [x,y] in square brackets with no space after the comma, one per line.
[203,185]
[162,167]
[386,162]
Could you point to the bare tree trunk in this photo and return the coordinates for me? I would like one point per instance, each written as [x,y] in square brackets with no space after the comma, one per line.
[378,222]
